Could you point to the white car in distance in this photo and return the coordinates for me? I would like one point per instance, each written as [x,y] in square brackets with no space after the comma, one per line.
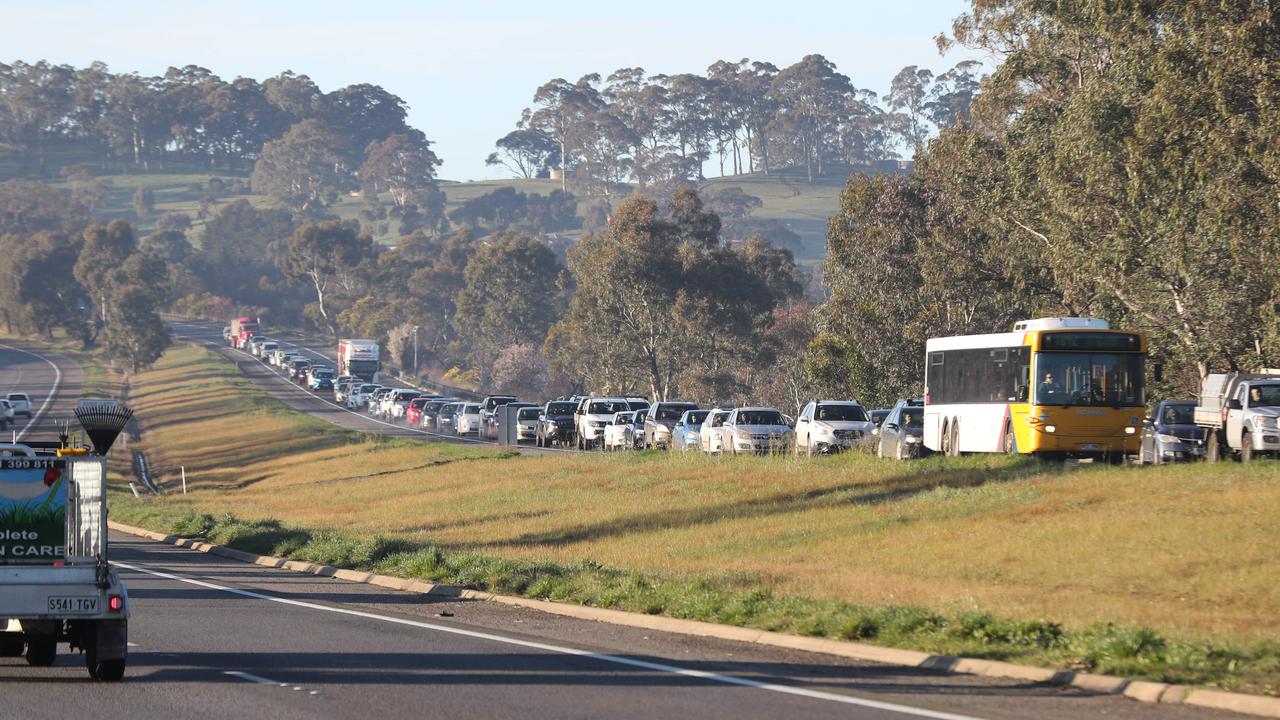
[468,419]
[594,415]
[20,402]
[615,433]
[830,426]
[759,430]
[711,434]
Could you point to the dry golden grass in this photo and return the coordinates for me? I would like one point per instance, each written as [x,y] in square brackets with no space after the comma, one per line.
[1191,550]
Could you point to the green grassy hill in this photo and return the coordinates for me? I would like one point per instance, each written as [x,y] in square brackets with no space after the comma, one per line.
[786,195]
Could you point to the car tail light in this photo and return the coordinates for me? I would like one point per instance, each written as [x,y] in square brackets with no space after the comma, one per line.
[115,603]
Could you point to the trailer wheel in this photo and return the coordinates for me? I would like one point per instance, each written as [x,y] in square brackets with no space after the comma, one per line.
[104,670]
[11,644]
[42,650]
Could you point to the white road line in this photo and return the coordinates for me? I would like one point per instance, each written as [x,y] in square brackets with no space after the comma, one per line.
[252,678]
[53,391]
[564,650]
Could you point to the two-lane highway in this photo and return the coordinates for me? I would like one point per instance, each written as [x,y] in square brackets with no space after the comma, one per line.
[52,382]
[213,638]
[216,638]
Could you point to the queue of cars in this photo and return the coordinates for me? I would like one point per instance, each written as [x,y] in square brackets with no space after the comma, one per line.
[620,422]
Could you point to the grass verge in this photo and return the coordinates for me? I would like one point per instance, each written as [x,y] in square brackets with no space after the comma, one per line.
[1104,648]
[1165,573]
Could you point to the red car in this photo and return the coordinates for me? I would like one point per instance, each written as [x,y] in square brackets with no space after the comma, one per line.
[413,413]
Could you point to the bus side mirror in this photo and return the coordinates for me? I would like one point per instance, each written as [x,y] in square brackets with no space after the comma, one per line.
[1157,371]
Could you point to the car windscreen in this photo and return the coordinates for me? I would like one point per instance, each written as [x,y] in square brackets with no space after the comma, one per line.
[607,407]
[324,374]
[1178,415]
[912,418]
[18,396]
[560,408]
[840,413]
[494,402]
[697,417]
[671,412]
[529,413]
[761,417]
[1264,396]
[470,409]
[637,405]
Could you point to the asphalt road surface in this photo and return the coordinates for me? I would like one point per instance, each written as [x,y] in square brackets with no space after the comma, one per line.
[214,638]
[52,382]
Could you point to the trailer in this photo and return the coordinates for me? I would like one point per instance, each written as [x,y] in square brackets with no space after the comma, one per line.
[56,582]
[359,358]
[243,329]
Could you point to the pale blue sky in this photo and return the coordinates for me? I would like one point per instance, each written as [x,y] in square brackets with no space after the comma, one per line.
[466,70]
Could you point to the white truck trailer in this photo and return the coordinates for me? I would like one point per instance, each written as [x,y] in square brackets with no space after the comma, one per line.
[359,358]
[1241,414]
[56,584]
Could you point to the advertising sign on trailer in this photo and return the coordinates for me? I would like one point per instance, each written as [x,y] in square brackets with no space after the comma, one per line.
[33,510]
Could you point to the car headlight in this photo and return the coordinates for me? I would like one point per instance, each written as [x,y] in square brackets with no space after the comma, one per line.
[1130,430]
[1269,422]
[911,439]
[1165,438]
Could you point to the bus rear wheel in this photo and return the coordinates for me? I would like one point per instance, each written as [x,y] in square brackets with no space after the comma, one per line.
[953,440]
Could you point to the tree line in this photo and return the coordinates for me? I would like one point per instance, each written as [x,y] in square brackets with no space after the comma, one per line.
[304,146]
[654,131]
[655,302]
[1120,162]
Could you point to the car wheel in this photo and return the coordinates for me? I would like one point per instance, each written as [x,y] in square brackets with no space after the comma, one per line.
[880,448]
[1246,447]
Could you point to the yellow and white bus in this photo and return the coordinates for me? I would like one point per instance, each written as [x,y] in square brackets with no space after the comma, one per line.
[1057,387]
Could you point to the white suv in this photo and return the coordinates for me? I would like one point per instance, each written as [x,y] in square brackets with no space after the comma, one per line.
[20,402]
[756,430]
[830,426]
[593,415]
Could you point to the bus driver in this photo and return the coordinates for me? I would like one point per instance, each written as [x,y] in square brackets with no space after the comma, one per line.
[1049,387]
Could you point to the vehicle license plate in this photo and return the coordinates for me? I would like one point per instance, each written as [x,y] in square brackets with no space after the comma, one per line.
[1089,446]
[73,604]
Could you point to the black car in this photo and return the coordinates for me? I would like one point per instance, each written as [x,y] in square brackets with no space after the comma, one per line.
[555,424]
[1171,435]
[901,433]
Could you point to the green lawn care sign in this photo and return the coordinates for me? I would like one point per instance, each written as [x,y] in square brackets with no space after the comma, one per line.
[33,510]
